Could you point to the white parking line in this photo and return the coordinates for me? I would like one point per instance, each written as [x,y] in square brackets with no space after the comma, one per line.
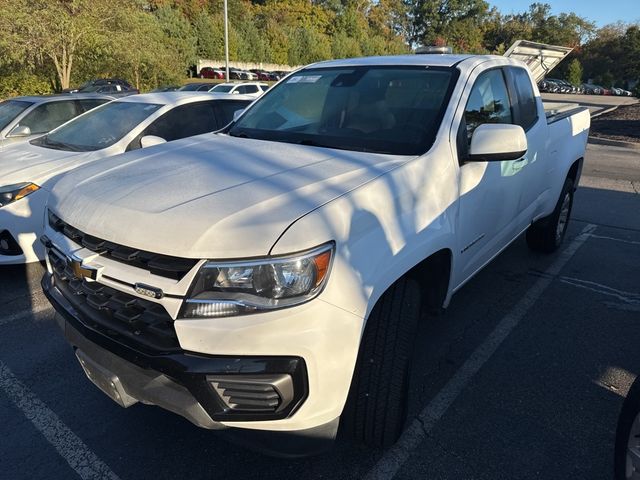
[396,456]
[602,237]
[24,314]
[86,464]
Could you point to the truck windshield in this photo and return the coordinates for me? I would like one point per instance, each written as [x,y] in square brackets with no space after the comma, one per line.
[10,109]
[380,109]
[99,128]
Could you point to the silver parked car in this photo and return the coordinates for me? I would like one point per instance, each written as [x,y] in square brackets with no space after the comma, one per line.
[24,118]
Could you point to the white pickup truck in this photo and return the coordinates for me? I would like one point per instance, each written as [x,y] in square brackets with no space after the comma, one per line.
[268,279]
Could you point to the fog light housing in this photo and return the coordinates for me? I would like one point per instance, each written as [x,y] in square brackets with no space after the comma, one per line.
[8,244]
[254,393]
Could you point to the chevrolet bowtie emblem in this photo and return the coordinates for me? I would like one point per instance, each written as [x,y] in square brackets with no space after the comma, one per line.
[84,271]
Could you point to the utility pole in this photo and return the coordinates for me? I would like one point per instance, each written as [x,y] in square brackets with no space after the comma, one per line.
[226,41]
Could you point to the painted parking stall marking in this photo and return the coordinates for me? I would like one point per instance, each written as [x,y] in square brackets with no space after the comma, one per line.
[395,457]
[75,452]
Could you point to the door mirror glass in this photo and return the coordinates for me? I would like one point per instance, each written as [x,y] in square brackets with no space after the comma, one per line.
[20,131]
[497,142]
[151,140]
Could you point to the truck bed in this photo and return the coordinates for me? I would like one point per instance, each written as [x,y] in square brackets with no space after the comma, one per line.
[555,111]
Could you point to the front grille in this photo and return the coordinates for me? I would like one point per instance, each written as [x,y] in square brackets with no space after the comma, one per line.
[123,317]
[158,264]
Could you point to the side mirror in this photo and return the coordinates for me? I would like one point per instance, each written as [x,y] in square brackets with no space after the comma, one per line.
[20,131]
[235,92]
[237,113]
[151,140]
[496,142]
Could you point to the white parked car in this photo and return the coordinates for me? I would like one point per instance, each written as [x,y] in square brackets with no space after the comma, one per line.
[253,89]
[24,118]
[268,279]
[27,170]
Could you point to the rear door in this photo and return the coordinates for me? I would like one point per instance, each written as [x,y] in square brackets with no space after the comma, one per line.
[528,113]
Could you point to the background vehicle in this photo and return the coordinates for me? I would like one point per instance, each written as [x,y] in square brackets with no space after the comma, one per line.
[590,89]
[111,89]
[321,220]
[167,88]
[100,82]
[23,118]
[195,87]
[210,72]
[246,88]
[28,169]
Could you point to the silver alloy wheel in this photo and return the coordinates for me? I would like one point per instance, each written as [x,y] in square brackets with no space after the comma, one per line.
[632,470]
[563,218]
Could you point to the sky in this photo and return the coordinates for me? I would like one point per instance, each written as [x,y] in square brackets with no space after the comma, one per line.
[601,12]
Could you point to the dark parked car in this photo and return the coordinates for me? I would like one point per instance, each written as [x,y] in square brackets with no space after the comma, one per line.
[99,82]
[111,89]
[167,88]
[196,87]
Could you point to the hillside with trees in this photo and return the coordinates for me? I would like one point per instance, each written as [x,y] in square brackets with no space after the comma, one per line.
[49,45]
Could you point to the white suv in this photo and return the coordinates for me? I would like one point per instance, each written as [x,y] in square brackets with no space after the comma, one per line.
[253,89]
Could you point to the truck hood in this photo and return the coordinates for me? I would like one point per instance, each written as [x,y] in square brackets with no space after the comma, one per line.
[210,196]
[24,162]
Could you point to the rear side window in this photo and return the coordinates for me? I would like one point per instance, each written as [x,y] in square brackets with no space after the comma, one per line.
[89,104]
[526,99]
[488,102]
[226,108]
[48,116]
[183,121]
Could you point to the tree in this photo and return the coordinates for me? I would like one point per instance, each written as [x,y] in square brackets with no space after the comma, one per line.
[574,72]
[58,30]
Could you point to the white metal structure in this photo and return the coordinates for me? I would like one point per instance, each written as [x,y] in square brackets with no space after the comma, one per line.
[27,170]
[284,259]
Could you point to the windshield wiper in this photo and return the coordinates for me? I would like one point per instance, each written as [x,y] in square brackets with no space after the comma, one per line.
[60,145]
[313,143]
[239,135]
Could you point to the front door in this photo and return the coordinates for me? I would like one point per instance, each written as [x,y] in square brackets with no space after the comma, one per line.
[489,191]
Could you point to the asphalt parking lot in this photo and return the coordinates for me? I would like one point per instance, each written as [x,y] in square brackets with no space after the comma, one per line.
[522,377]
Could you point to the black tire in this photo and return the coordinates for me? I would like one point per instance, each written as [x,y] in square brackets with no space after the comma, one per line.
[628,414]
[546,235]
[376,408]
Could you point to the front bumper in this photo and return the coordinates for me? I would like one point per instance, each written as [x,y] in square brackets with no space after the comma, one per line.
[21,221]
[181,383]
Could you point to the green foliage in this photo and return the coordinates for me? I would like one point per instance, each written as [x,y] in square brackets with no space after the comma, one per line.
[574,72]
[22,83]
[49,44]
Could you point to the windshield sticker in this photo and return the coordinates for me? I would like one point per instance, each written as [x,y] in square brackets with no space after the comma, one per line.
[304,79]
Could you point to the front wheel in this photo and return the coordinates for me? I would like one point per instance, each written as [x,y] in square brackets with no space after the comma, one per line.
[377,404]
[546,234]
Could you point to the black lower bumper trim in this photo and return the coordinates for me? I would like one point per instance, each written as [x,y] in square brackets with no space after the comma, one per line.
[185,369]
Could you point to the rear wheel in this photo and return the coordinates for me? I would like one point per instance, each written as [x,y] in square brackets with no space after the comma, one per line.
[377,403]
[546,234]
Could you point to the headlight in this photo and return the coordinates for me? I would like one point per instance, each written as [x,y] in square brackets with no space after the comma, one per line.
[224,289]
[12,193]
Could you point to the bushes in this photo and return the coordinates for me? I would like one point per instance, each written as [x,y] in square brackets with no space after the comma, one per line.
[23,83]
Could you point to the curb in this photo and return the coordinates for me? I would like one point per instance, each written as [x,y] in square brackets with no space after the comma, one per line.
[614,143]
[602,112]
